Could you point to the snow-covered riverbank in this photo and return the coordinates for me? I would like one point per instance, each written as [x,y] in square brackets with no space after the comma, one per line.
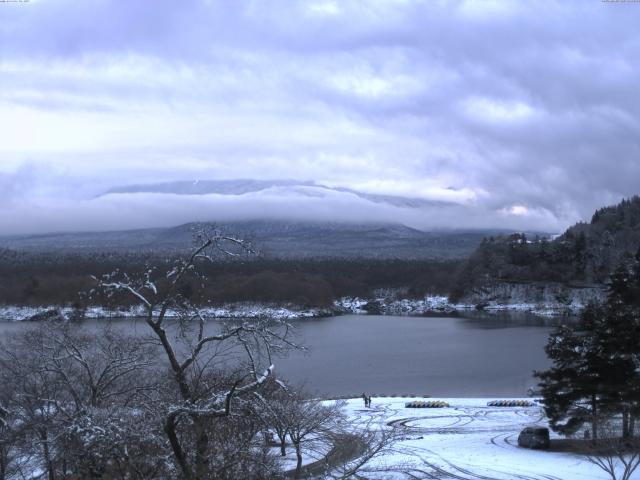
[441,304]
[13,313]
[348,305]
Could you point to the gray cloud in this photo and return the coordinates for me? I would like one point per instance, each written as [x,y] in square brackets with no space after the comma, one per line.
[146,210]
[526,110]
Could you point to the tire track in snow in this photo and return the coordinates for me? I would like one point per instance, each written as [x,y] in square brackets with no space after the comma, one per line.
[403,422]
[472,419]
[494,440]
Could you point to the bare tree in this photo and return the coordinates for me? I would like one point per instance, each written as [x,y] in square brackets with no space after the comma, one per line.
[618,457]
[55,374]
[274,410]
[310,421]
[321,427]
[14,458]
[36,397]
[7,444]
[177,293]
[239,448]
[361,450]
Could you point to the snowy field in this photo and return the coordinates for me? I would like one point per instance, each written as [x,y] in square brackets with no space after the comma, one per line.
[467,441]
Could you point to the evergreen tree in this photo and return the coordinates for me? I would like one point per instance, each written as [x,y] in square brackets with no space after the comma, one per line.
[619,341]
[596,366]
[571,388]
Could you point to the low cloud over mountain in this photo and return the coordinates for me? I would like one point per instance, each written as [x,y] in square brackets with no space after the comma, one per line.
[169,204]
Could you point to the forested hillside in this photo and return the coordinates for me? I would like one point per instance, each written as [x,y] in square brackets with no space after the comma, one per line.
[587,253]
[39,279]
[276,239]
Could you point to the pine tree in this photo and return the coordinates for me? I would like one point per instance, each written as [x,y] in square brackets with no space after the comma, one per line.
[618,339]
[596,365]
[571,388]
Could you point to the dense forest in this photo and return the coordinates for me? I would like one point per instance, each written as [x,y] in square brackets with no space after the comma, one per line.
[38,279]
[587,253]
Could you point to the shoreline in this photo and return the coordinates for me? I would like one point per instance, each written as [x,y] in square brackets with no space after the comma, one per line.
[343,306]
[441,305]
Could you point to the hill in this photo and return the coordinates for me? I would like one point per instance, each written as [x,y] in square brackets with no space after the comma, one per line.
[585,255]
[274,239]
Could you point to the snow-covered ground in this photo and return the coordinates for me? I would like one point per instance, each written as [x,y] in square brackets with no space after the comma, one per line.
[441,304]
[468,440]
[379,305]
[405,306]
[312,451]
[14,313]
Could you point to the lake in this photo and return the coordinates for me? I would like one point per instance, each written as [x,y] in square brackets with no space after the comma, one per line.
[462,355]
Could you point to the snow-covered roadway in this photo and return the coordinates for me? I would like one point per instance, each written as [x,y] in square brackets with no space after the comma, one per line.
[467,441]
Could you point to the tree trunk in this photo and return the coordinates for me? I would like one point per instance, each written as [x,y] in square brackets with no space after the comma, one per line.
[632,425]
[170,430]
[594,418]
[96,473]
[51,474]
[625,423]
[283,447]
[3,463]
[299,457]
[202,447]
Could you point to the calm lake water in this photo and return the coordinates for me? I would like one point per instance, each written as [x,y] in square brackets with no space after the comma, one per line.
[464,355]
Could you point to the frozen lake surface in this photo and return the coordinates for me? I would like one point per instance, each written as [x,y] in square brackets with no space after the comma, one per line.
[468,355]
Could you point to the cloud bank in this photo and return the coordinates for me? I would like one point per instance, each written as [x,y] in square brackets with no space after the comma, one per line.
[518,114]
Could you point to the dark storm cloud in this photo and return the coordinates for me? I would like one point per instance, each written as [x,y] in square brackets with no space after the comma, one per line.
[521,113]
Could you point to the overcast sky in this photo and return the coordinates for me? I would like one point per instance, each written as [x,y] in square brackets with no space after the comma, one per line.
[520,114]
